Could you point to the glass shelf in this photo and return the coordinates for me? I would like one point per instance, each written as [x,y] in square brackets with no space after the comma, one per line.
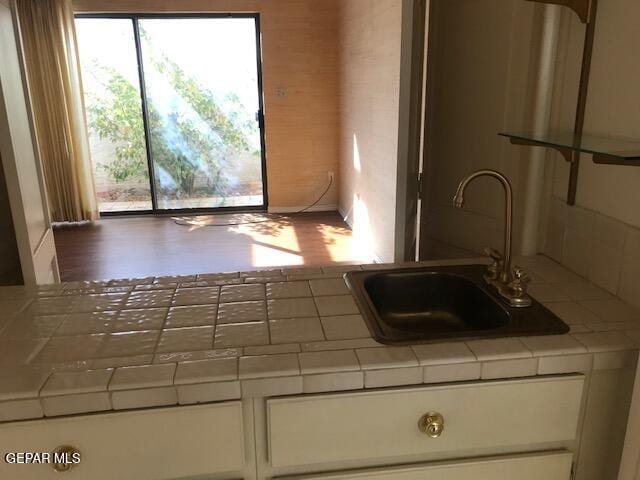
[616,151]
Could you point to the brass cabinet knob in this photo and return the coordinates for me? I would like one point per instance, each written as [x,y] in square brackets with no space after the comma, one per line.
[65,457]
[432,424]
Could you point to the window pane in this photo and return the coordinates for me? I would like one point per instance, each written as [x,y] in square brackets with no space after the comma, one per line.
[114,113]
[201,80]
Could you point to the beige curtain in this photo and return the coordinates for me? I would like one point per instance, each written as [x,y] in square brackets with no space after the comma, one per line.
[49,42]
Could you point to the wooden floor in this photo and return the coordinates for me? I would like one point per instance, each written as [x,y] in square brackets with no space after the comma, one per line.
[141,246]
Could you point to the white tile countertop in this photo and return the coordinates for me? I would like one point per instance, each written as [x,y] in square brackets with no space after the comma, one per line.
[97,346]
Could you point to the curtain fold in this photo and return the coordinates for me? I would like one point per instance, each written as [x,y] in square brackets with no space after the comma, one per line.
[55,85]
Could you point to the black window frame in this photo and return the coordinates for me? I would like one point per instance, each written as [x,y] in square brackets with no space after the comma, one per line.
[135,17]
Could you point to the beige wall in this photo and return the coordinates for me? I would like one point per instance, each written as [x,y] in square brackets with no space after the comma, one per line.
[300,55]
[599,238]
[369,108]
[613,107]
[480,82]
[10,273]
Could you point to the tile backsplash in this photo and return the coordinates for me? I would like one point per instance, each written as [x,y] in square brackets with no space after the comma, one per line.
[600,248]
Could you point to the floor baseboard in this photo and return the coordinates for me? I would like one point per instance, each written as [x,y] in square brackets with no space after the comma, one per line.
[294,209]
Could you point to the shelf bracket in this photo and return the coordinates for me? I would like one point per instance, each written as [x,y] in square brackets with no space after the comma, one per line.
[567,153]
[581,7]
[609,160]
[583,91]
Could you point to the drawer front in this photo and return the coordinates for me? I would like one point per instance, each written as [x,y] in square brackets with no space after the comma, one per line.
[143,445]
[372,425]
[549,466]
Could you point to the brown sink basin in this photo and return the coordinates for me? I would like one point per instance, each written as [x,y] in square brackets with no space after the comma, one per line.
[414,305]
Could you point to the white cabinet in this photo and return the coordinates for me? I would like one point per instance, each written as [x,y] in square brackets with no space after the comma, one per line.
[141,445]
[545,466]
[524,429]
[481,416]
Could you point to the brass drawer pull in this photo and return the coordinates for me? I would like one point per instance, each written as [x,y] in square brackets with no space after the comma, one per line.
[432,424]
[65,458]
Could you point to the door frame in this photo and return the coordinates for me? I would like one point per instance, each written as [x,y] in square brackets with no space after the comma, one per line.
[411,122]
[134,17]
[21,161]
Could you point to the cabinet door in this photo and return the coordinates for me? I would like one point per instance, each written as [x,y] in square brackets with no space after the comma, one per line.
[545,466]
[320,429]
[21,165]
[180,442]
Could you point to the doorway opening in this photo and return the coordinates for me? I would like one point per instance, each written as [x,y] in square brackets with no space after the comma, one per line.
[173,130]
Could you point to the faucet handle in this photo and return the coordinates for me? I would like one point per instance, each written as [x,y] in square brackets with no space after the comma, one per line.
[520,275]
[493,270]
[492,253]
[516,289]
[519,283]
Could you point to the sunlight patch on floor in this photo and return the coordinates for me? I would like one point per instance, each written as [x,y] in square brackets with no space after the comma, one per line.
[273,244]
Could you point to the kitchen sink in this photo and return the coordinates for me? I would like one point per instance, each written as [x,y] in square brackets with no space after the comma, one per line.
[423,304]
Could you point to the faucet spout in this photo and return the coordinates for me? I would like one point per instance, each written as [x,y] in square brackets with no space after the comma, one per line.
[458,202]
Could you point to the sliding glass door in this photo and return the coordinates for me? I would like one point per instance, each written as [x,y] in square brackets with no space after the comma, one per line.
[113,102]
[174,111]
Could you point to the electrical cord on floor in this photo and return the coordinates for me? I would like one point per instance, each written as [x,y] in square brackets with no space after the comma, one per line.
[277,217]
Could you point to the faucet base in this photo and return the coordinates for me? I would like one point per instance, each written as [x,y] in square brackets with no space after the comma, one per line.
[507,292]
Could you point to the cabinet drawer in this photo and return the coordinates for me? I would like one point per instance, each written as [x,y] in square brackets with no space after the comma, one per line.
[143,445]
[547,466]
[372,425]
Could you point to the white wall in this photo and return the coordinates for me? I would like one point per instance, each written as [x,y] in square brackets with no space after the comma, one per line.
[613,107]
[481,81]
[370,37]
[599,238]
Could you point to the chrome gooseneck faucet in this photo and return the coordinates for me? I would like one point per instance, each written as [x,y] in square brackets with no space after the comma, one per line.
[511,284]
